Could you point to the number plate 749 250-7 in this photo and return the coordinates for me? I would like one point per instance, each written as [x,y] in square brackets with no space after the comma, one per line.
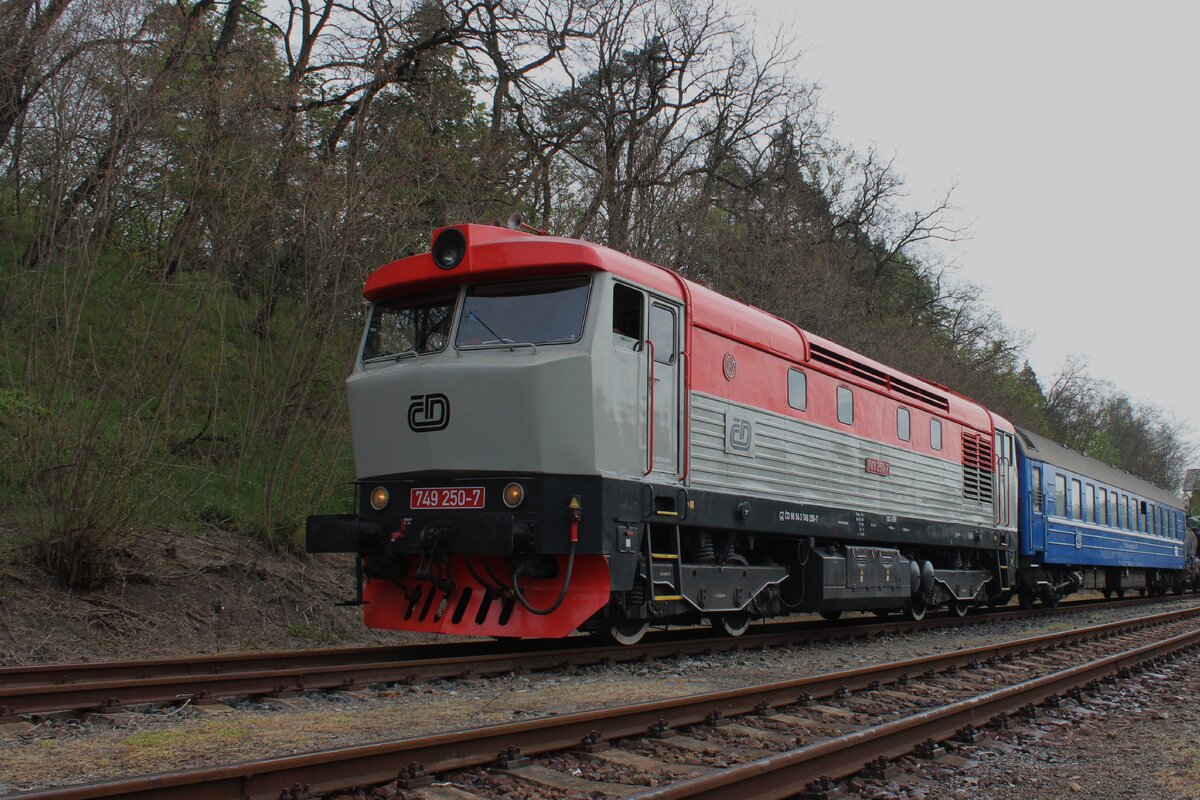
[446,497]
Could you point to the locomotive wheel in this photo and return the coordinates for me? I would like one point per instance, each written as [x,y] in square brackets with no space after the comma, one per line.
[960,607]
[831,616]
[1026,597]
[916,609]
[733,624]
[1107,593]
[1050,597]
[625,632]
[1120,594]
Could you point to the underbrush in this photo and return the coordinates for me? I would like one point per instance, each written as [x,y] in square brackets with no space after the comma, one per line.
[127,404]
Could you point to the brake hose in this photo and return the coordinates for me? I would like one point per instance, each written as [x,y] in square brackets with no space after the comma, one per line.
[541,612]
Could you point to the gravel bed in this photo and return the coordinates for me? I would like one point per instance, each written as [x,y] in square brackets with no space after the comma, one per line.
[63,751]
[1134,740]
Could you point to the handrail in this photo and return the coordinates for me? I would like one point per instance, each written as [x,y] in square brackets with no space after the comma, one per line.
[650,407]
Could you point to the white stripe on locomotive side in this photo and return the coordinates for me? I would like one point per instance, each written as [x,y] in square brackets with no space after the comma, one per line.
[795,460]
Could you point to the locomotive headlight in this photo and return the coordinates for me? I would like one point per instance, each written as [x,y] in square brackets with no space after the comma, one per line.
[449,248]
[514,495]
[379,498]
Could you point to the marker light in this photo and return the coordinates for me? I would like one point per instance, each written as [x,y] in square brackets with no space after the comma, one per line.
[449,248]
[514,495]
[379,498]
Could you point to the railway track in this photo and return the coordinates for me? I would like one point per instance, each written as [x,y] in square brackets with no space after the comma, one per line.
[108,686]
[766,741]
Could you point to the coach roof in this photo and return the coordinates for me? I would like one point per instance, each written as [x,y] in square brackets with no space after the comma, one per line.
[1049,451]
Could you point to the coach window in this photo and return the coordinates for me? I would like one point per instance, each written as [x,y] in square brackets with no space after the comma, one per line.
[903,425]
[1139,506]
[1060,495]
[1112,509]
[1076,499]
[797,390]
[1102,515]
[935,434]
[1089,502]
[662,333]
[1123,512]
[1038,498]
[1158,525]
[627,316]
[845,400]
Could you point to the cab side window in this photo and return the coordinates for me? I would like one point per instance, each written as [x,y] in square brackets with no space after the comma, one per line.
[662,333]
[627,316]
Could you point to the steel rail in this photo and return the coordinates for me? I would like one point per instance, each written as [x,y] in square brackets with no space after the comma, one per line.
[262,674]
[364,765]
[349,668]
[785,775]
[290,659]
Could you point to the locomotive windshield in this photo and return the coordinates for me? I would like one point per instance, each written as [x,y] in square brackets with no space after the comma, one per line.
[529,312]
[410,326]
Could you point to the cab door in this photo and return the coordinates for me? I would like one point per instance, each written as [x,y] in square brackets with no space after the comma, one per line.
[664,376]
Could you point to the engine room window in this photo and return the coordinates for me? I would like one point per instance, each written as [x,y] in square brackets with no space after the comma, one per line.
[797,390]
[1060,495]
[662,333]
[627,316]
[845,405]
[528,312]
[903,425]
[935,434]
[413,325]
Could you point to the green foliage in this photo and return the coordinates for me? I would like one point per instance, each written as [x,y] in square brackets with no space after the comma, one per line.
[186,218]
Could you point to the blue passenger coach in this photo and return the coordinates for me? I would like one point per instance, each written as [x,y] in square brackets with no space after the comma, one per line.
[1087,525]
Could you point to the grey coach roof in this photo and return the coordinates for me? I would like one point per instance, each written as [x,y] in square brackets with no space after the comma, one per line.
[1042,449]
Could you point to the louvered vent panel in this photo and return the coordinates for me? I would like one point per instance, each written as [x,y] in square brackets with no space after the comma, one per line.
[880,378]
[977,467]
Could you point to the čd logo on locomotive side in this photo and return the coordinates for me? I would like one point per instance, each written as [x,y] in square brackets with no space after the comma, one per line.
[428,412]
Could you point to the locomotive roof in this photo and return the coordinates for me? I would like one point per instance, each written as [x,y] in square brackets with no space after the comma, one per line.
[496,253]
[1051,452]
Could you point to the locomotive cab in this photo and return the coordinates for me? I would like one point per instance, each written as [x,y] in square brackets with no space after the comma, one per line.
[500,409]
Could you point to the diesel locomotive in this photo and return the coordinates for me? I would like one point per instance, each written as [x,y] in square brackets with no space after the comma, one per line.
[551,436]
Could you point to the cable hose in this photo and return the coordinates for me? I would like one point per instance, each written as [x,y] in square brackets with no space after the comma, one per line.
[479,578]
[562,595]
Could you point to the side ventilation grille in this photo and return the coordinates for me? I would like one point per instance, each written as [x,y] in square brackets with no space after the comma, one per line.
[878,377]
[977,467]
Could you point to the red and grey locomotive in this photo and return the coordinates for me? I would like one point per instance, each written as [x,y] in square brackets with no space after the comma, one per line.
[551,436]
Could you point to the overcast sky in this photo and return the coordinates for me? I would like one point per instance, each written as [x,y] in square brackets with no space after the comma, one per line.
[1072,132]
